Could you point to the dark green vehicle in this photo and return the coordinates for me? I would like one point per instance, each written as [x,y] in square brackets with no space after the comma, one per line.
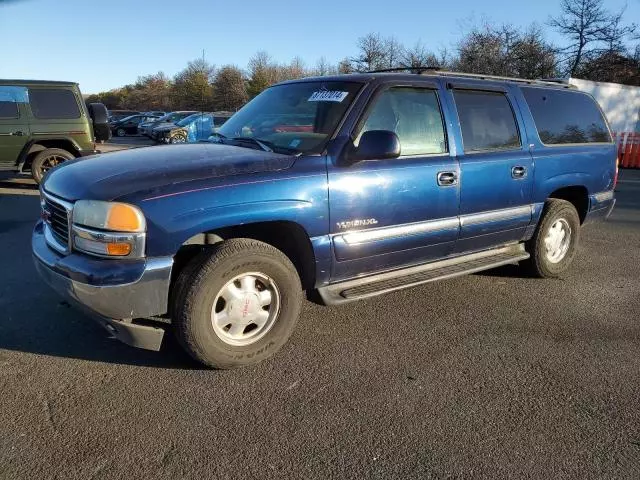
[44,123]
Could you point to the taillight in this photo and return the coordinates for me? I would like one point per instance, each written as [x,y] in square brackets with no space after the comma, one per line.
[615,178]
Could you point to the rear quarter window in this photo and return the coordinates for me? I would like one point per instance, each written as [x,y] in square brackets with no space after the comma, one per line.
[566,117]
[9,98]
[52,103]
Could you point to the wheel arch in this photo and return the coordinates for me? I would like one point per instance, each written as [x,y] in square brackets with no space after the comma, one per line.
[288,236]
[33,147]
[577,195]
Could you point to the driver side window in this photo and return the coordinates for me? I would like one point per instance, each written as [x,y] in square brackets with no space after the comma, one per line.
[414,115]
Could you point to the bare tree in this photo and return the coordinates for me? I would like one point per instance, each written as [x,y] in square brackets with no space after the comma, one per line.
[505,50]
[393,52]
[372,53]
[419,56]
[586,24]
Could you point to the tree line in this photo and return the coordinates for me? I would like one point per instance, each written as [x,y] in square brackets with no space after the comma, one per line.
[599,45]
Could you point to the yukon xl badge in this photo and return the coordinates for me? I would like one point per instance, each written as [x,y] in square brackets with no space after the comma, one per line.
[360,222]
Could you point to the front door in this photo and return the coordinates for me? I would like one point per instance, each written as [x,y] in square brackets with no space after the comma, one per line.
[391,213]
[14,129]
[496,169]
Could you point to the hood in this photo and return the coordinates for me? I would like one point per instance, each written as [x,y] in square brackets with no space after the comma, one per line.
[161,125]
[166,128]
[147,170]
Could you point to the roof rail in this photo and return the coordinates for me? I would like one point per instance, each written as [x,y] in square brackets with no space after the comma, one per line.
[418,69]
[481,76]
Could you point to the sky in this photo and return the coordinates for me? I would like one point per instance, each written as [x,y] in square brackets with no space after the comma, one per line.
[103,45]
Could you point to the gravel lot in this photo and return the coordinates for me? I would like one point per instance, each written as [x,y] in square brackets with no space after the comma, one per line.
[490,376]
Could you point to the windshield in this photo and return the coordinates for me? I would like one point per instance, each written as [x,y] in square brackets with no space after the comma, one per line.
[296,116]
[186,120]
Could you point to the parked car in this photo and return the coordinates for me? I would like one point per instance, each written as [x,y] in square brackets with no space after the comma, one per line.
[403,179]
[169,119]
[129,125]
[45,123]
[155,113]
[196,127]
[115,115]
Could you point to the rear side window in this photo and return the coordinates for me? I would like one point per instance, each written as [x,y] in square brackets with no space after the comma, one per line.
[9,98]
[564,116]
[486,120]
[51,103]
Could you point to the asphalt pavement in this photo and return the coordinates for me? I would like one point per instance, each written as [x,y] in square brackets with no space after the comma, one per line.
[494,375]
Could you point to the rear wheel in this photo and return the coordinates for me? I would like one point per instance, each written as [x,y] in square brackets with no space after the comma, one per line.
[47,159]
[179,137]
[121,132]
[236,304]
[554,242]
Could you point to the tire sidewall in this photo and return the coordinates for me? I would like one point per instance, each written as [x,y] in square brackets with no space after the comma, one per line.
[554,211]
[200,298]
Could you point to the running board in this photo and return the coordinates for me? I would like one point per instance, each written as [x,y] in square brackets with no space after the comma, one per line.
[408,277]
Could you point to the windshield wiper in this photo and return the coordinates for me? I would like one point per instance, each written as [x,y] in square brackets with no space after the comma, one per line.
[264,145]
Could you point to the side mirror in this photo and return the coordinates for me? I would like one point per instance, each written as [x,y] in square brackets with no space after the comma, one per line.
[376,145]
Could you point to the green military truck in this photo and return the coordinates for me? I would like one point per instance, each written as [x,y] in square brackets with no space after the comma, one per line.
[44,123]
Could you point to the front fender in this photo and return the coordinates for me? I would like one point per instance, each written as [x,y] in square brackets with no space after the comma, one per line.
[291,197]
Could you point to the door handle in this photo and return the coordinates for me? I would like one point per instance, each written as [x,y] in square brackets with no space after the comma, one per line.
[17,133]
[446,179]
[518,172]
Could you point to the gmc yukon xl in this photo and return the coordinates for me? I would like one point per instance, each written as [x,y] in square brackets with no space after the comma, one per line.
[392,180]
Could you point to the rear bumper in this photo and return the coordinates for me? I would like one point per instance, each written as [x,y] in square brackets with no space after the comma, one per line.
[86,153]
[80,280]
[600,206]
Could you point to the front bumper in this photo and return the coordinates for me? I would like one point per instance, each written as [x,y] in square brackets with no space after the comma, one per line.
[114,292]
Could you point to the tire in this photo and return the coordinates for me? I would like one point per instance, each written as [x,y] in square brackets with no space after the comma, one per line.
[47,159]
[121,132]
[201,305]
[551,252]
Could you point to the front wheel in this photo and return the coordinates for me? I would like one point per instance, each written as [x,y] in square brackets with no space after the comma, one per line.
[554,242]
[236,304]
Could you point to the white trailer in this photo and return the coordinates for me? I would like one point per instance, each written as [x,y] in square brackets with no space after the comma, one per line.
[620,103]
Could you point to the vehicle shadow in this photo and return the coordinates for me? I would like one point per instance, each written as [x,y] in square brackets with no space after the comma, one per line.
[34,319]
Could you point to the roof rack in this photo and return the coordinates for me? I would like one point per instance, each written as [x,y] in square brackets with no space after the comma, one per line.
[418,69]
[481,76]
[437,72]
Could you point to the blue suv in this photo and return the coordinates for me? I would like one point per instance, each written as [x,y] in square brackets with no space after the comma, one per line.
[350,186]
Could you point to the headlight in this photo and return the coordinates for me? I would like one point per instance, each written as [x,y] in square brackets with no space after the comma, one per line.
[108,229]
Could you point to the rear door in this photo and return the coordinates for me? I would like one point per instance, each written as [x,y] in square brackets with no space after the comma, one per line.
[496,166]
[390,213]
[14,128]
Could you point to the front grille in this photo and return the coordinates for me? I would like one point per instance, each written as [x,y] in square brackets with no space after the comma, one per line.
[57,217]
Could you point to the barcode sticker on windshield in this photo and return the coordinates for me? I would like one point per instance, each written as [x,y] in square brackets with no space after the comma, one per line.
[328,96]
